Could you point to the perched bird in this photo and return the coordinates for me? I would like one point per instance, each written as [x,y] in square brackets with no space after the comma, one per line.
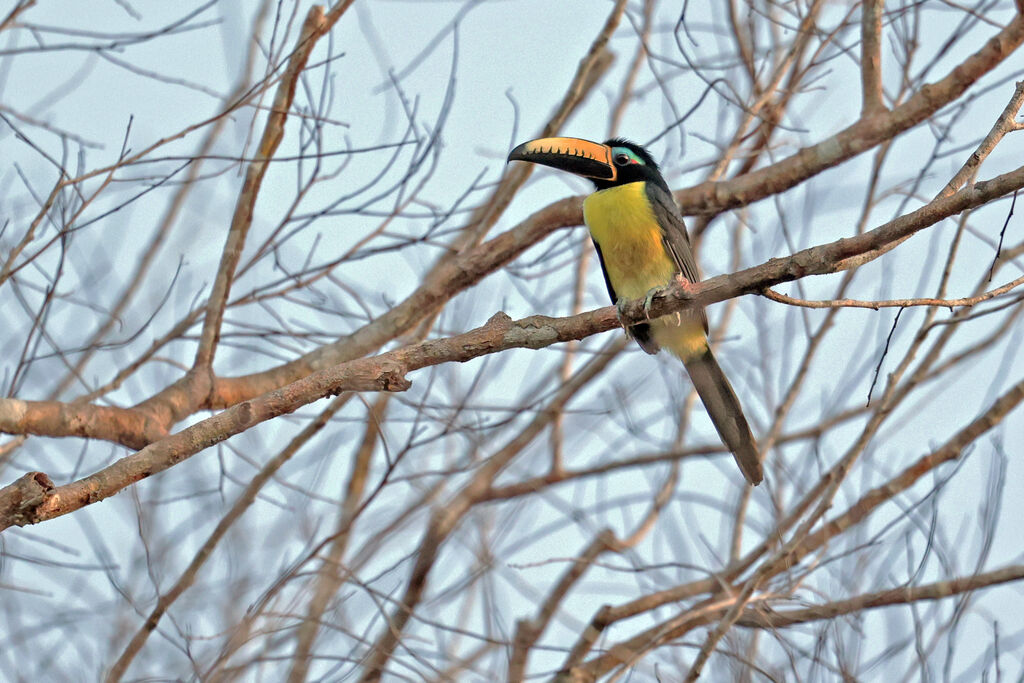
[642,243]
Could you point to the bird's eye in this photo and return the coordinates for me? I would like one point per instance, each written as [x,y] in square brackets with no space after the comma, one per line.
[621,159]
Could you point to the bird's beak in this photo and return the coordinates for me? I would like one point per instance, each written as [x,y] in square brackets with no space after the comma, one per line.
[582,157]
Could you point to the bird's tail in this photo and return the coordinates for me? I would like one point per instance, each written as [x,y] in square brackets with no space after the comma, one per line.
[725,411]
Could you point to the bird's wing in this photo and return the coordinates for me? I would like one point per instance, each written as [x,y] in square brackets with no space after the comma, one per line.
[673,232]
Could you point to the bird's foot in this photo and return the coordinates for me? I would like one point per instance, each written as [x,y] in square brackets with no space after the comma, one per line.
[678,279]
[649,299]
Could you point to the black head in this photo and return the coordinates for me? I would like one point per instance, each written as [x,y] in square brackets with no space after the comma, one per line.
[632,163]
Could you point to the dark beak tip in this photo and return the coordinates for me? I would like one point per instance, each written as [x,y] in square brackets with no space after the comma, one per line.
[516,154]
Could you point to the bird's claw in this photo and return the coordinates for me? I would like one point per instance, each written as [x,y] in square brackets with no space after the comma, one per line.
[649,299]
[684,284]
[626,322]
[677,279]
[620,311]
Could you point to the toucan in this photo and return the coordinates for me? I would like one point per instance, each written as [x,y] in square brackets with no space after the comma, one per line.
[641,241]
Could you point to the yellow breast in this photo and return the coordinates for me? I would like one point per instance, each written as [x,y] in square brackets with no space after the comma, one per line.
[623,225]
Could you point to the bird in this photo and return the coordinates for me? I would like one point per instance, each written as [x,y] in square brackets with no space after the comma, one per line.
[642,244]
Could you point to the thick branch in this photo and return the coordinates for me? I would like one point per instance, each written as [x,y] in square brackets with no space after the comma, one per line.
[27,492]
[131,428]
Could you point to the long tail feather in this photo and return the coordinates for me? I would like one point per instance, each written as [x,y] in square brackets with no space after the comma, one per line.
[725,411]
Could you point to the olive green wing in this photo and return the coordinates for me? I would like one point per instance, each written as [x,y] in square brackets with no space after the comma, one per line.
[673,232]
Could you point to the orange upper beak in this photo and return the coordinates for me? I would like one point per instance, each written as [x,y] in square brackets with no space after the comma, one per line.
[582,157]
